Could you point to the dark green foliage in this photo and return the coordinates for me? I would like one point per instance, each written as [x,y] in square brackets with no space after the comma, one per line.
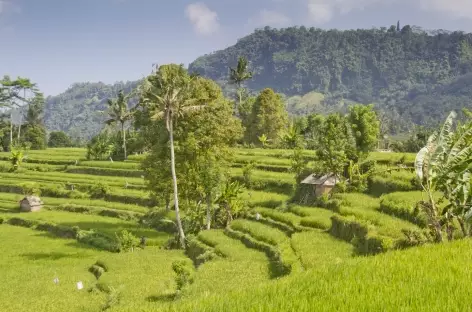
[413,76]
[97,271]
[98,240]
[102,264]
[268,117]
[77,110]
[34,136]
[59,139]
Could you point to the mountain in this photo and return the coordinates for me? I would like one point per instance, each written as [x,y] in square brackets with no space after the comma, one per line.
[79,111]
[414,74]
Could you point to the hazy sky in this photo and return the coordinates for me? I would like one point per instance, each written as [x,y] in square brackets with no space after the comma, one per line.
[59,42]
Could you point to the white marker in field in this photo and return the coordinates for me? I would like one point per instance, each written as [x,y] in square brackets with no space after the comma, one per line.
[56,281]
[258,216]
[80,285]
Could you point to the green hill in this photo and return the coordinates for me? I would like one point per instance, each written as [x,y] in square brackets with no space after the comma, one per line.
[78,110]
[415,77]
[415,74]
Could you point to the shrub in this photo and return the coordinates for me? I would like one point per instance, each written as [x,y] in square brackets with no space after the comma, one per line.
[59,139]
[247,174]
[96,270]
[103,265]
[98,240]
[127,241]
[30,188]
[98,190]
[184,273]
[36,136]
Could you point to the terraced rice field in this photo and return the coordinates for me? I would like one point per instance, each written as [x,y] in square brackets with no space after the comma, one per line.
[278,240]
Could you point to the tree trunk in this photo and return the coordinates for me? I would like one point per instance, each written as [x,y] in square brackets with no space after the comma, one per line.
[228,213]
[11,130]
[168,203]
[208,212]
[124,138]
[19,130]
[174,180]
[463,227]
[434,218]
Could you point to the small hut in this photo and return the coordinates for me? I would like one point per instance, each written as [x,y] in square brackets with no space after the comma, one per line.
[31,204]
[322,184]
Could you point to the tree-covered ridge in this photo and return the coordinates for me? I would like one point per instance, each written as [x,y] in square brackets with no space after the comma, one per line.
[414,73]
[80,110]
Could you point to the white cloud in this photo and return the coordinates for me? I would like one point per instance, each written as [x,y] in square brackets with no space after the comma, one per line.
[204,20]
[270,18]
[456,8]
[322,11]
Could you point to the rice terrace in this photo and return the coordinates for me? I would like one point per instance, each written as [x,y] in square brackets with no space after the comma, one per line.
[301,169]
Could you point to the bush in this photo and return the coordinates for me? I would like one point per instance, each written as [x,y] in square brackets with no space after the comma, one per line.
[96,270]
[103,265]
[98,190]
[184,273]
[101,146]
[31,189]
[98,240]
[127,241]
[36,136]
[59,139]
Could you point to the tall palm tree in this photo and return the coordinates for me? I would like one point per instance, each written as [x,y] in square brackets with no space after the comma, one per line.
[240,74]
[119,113]
[168,91]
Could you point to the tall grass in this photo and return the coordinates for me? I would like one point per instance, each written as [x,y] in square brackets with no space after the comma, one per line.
[429,278]
[318,249]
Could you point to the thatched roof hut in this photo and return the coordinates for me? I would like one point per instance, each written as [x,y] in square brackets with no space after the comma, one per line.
[31,204]
[322,184]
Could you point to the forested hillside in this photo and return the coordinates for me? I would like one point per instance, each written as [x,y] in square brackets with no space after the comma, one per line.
[78,111]
[415,77]
[413,73]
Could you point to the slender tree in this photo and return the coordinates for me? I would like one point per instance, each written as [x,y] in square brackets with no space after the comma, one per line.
[119,113]
[239,75]
[169,92]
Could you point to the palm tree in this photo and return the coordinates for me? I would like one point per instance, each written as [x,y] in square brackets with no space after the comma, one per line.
[240,74]
[118,112]
[168,92]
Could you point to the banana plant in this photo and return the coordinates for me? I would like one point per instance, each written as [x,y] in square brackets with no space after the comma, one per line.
[444,165]
[229,199]
[16,158]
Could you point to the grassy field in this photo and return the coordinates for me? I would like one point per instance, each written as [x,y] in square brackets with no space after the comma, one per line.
[290,258]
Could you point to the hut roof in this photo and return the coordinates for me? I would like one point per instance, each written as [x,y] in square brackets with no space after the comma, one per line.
[328,179]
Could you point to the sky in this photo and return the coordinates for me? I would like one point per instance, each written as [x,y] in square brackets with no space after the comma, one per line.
[56,43]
